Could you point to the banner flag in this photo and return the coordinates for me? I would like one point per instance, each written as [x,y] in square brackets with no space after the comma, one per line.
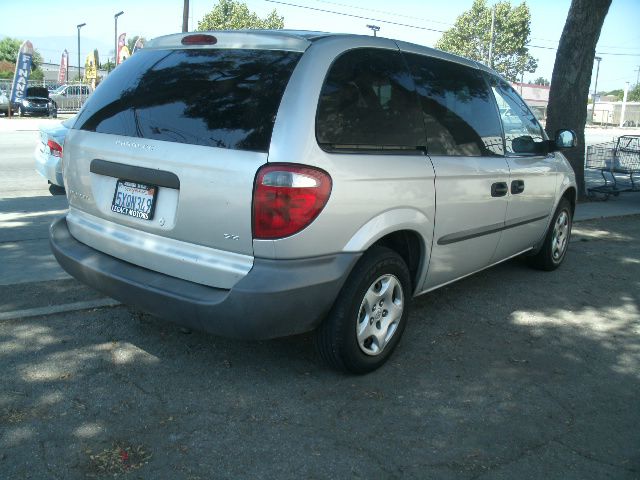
[23,70]
[139,44]
[121,43]
[64,62]
[90,69]
[124,54]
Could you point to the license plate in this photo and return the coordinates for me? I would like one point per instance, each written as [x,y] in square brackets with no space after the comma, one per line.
[136,200]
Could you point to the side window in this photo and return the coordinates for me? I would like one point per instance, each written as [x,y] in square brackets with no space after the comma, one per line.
[72,91]
[459,114]
[522,132]
[368,102]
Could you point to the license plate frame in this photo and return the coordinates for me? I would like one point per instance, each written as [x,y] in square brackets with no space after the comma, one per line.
[123,206]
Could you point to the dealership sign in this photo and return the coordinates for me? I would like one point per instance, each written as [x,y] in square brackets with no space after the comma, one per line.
[23,70]
[64,63]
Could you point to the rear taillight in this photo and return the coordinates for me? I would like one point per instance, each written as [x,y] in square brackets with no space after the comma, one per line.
[55,148]
[287,198]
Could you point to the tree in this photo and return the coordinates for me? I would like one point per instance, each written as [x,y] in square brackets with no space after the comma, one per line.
[235,15]
[471,37]
[9,49]
[541,81]
[572,76]
[618,93]
[634,94]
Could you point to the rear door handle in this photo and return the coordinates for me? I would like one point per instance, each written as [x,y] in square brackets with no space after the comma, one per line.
[499,189]
[517,186]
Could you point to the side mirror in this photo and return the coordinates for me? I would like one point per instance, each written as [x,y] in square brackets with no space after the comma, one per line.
[566,139]
[523,144]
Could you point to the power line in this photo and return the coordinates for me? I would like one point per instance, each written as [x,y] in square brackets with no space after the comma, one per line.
[598,53]
[357,16]
[415,26]
[384,11]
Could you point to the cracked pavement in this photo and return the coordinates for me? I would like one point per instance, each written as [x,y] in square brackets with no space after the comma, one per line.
[510,373]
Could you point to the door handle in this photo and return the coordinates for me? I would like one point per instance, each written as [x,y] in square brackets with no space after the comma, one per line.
[499,189]
[517,186]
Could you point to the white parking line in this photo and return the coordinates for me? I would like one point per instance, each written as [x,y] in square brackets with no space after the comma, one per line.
[67,307]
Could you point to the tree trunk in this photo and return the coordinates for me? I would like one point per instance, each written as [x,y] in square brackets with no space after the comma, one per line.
[572,76]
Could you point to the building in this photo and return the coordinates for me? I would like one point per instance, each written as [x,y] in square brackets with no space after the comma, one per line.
[609,113]
[536,96]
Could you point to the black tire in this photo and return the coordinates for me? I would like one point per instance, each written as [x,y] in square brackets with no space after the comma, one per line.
[56,189]
[552,254]
[20,112]
[336,339]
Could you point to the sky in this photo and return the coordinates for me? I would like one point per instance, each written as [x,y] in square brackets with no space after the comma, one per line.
[53,28]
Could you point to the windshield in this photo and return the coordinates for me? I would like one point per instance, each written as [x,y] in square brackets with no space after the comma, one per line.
[59,89]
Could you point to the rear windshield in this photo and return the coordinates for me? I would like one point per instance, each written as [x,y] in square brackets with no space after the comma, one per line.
[219,98]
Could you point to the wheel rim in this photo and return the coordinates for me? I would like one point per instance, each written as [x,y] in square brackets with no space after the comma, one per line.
[379,314]
[560,237]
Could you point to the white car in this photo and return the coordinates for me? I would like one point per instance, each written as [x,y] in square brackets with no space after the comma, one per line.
[4,102]
[48,153]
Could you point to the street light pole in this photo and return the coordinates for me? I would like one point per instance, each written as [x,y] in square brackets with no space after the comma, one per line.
[79,27]
[115,55]
[595,90]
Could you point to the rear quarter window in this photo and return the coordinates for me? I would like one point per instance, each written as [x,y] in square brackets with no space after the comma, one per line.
[220,98]
[368,102]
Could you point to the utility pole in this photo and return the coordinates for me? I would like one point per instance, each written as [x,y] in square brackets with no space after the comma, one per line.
[493,22]
[638,75]
[595,90]
[185,16]
[115,37]
[375,29]
[624,103]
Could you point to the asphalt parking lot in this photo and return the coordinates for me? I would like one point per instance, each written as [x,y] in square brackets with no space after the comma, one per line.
[511,373]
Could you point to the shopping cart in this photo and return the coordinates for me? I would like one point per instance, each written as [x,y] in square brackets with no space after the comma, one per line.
[619,164]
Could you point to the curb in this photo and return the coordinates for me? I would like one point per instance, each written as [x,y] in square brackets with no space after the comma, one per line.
[67,307]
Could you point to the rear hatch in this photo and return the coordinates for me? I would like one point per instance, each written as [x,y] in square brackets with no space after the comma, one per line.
[160,164]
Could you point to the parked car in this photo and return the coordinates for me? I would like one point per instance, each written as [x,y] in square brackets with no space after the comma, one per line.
[48,153]
[304,181]
[36,102]
[5,104]
[71,97]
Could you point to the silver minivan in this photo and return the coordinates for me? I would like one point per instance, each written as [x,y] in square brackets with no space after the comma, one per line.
[258,184]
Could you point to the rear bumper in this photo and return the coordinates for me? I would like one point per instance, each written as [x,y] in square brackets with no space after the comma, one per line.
[276,298]
[49,167]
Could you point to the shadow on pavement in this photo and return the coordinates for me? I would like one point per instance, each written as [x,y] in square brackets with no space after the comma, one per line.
[512,373]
